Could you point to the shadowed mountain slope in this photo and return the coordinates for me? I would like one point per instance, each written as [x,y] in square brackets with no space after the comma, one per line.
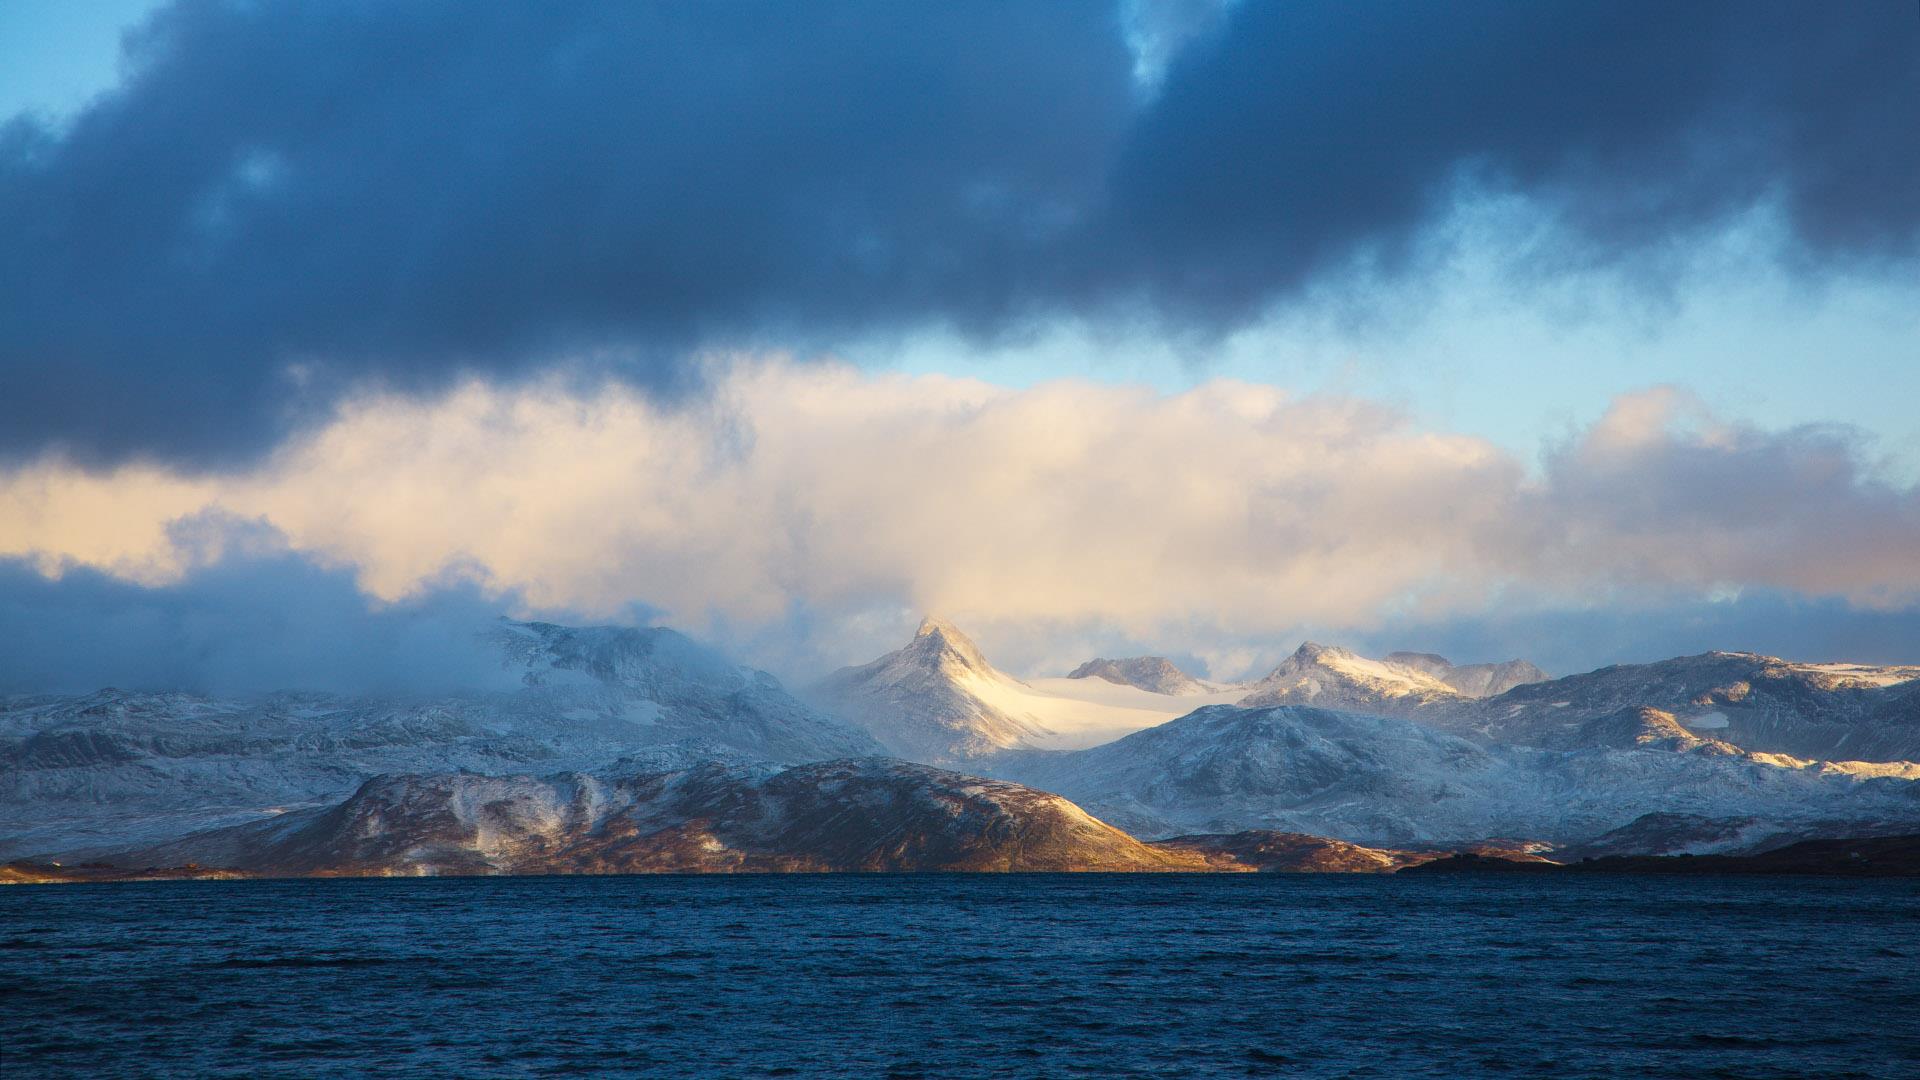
[79,771]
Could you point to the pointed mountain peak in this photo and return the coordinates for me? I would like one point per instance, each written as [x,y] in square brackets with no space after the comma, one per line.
[925,700]
[938,636]
[934,624]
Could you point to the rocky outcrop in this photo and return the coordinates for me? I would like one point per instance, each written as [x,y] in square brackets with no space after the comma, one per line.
[1636,728]
[27,872]
[1285,852]
[1886,856]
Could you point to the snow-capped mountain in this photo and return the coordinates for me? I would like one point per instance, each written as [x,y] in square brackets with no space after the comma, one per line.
[1155,674]
[79,771]
[935,700]
[1330,677]
[1384,780]
[870,815]
[1473,680]
[1758,703]
[1400,684]
[940,701]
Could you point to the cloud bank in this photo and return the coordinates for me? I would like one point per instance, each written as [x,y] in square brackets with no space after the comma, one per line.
[254,617]
[284,201]
[797,497]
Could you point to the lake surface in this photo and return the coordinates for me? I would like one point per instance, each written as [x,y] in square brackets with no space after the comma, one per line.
[929,976]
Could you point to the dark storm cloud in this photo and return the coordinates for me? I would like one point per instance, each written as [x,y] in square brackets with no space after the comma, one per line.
[284,198]
[1304,129]
[406,189]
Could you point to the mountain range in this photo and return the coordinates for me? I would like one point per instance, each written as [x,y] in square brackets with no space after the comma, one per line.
[618,750]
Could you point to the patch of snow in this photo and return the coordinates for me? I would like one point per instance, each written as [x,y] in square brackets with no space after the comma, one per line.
[1900,770]
[1077,713]
[1865,673]
[1394,680]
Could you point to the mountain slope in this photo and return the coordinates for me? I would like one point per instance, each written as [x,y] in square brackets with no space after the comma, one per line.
[107,767]
[1759,703]
[1382,780]
[858,815]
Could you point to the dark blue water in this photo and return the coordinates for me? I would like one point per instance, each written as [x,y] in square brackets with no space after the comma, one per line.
[1318,976]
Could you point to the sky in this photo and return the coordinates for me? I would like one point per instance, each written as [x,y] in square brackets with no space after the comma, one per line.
[1589,334]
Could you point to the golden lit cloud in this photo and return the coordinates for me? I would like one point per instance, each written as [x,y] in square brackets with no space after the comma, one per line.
[823,486]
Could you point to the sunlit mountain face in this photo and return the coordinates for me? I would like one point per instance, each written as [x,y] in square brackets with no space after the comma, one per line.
[904,529]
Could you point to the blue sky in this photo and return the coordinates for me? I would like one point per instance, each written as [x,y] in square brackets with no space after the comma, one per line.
[55,55]
[1525,254]
[1463,352]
